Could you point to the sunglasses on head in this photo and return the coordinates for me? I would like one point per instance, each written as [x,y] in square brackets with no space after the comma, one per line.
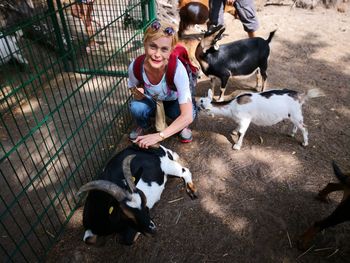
[168,31]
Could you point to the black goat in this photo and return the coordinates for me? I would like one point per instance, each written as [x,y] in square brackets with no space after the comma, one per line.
[238,58]
[340,214]
[115,205]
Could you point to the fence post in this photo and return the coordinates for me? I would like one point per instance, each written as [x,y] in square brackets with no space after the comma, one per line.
[66,36]
[148,9]
[58,34]
[152,10]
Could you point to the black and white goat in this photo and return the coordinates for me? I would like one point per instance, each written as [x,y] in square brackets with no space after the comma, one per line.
[9,48]
[263,109]
[238,58]
[130,185]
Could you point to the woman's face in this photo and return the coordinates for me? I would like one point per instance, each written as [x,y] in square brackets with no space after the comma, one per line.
[158,52]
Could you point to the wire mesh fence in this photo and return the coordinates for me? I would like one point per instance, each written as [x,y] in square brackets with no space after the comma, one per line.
[63,108]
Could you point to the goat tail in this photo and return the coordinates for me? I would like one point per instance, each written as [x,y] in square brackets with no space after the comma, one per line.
[271,36]
[311,93]
[314,93]
[343,178]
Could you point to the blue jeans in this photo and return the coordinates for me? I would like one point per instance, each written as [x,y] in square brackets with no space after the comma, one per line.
[143,110]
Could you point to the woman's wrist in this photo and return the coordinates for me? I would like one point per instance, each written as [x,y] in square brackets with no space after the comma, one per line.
[162,136]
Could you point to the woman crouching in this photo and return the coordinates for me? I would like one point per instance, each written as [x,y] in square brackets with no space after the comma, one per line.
[156,97]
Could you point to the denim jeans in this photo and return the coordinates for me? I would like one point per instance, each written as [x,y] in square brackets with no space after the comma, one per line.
[143,110]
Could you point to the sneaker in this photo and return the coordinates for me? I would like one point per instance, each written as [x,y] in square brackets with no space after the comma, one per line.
[136,133]
[186,135]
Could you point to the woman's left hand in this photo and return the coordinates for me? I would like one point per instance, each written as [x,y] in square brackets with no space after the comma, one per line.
[148,140]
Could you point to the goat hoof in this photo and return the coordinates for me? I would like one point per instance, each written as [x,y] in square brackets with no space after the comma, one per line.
[304,144]
[236,147]
[235,133]
[91,240]
[96,241]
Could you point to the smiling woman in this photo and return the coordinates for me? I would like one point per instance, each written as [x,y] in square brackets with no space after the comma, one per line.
[160,99]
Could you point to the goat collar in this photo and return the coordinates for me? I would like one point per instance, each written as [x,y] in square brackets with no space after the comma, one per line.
[211,50]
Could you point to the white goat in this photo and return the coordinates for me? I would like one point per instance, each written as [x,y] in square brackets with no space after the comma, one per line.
[263,109]
[9,48]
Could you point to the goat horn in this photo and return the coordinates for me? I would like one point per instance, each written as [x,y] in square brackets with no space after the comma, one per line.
[127,172]
[106,186]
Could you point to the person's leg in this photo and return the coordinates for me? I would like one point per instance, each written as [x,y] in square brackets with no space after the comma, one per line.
[88,9]
[247,15]
[142,111]
[216,12]
[172,110]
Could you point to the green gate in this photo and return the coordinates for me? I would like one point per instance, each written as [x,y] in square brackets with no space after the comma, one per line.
[63,109]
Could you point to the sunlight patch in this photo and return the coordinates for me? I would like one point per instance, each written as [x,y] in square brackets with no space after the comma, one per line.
[219,166]
[236,224]
[270,163]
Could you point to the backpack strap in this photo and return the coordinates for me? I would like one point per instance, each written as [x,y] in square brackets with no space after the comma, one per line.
[179,52]
[137,67]
[170,72]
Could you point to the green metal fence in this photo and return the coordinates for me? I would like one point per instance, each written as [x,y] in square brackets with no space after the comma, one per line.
[63,109]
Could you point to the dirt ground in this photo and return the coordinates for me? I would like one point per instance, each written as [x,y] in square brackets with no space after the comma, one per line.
[254,203]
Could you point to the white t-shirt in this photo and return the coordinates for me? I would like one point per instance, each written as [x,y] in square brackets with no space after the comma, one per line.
[181,81]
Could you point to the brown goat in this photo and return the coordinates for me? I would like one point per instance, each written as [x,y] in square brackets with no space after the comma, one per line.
[228,9]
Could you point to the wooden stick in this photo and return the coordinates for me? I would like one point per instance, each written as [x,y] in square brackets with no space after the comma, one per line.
[175,200]
[178,218]
[50,234]
[305,252]
[290,242]
[336,251]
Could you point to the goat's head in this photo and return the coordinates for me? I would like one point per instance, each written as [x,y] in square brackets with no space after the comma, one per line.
[211,37]
[204,103]
[170,154]
[129,206]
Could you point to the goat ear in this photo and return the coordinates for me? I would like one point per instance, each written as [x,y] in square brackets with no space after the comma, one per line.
[210,94]
[127,212]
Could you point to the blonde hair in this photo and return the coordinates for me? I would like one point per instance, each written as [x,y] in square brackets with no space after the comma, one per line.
[152,33]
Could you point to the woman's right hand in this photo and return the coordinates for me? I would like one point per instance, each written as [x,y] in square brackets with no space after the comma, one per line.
[138,92]
[148,140]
